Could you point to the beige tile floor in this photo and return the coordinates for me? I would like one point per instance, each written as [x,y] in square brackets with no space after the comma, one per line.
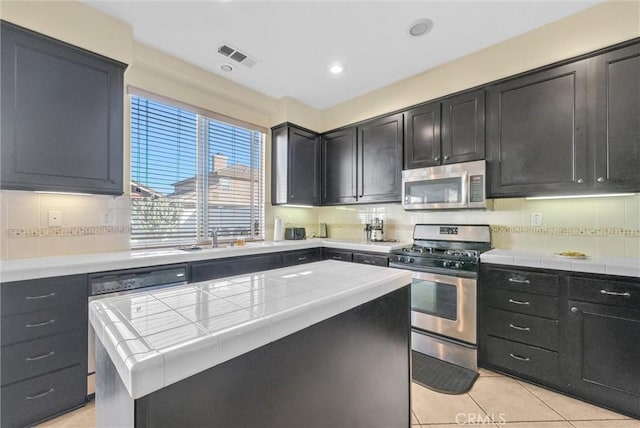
[494,401]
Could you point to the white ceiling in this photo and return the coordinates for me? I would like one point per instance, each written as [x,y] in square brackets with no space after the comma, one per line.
[297,41]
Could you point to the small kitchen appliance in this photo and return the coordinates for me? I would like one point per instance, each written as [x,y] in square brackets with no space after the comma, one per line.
[444,260]
[294,233]
[377,230]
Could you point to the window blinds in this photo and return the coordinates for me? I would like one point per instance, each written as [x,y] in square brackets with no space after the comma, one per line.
[190,174]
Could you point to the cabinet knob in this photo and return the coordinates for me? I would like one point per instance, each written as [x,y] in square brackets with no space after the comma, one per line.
[574,310]
[437,158]
[580,181]
[447,157]
[601,179]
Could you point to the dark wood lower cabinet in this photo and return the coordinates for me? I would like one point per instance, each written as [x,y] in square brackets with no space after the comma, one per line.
[585,342]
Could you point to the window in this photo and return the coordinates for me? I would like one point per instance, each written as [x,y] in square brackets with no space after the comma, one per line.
[191,173]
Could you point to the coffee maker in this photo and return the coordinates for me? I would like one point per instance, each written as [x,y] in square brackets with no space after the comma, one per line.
[377,230]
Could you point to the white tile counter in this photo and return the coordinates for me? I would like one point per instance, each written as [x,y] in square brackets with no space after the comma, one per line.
[623,266]
[43,267]
[161,337]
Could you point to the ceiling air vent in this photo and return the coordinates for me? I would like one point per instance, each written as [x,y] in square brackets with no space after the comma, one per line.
[236,55]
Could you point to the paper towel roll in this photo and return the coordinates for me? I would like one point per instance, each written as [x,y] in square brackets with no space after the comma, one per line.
[278,230]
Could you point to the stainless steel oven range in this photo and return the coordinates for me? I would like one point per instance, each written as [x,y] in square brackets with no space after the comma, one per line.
[118,283]
[444,260]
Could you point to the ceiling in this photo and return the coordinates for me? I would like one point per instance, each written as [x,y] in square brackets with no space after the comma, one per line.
[296,42]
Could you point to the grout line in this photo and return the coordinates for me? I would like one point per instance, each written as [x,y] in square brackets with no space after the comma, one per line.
[523,385]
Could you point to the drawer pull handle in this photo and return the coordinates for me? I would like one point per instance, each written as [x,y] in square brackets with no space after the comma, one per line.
[518,302]
[519,281]
[367,262]
[42,394]
[519,358]
[302,258]
[44,296]
[40,324]
[41,357]
[336,258]
[517,327]
[614,293]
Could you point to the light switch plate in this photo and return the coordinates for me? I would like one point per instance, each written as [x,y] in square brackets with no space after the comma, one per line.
[536,219]
[55,218]
[107,218]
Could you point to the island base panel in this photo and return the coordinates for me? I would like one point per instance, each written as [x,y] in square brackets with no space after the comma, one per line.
[351,370]
[114,405]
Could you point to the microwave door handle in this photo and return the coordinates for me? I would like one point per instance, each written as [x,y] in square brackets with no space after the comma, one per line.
[465,189]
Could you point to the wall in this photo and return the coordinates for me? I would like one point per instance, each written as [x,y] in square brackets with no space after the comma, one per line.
[595,226]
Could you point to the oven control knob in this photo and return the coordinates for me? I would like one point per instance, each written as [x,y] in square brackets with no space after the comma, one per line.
[410,260]
[458,265]
[446,263]
[400,259]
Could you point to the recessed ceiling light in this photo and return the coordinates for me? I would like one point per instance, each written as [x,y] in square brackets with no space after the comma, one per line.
[420,27]
[336,69]
[226,68]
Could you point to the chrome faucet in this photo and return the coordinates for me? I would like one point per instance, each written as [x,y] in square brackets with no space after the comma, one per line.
[214,237]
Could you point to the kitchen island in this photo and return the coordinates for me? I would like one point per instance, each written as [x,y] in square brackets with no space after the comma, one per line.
[321,344]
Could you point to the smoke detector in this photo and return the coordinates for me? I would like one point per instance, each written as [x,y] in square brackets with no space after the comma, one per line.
[237,55]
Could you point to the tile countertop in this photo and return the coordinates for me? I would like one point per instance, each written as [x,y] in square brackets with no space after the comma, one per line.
[623,266]
[161,337]
[43,267]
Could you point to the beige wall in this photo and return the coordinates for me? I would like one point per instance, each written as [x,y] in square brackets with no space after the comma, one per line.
[24,231]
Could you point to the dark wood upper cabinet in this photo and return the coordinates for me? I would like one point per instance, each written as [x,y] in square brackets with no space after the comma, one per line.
[62,116]
[463,127]
[445,132]
[295,169]
[614,115]
[339,166]
[422,146]
[536,133]
[380,159]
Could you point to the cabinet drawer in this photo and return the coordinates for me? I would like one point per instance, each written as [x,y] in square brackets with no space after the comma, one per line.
[371,259]
[522,359]
[220,268]
[521,280]
[331,254]
[300,257]
[608,292]
[36,357]
[527,329]
[36,399]
[524,303]
[33,325]
[38,294]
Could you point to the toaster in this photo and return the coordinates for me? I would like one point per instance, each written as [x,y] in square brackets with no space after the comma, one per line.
[294,233]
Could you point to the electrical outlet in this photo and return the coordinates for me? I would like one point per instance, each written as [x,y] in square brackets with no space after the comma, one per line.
[536,219]
[55,218]
[107,218]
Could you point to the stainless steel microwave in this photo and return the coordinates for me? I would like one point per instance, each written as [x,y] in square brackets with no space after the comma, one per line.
[455,186]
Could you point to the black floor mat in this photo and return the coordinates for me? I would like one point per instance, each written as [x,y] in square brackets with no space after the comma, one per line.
[441,376]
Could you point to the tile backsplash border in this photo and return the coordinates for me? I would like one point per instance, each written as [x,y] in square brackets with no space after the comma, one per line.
[59,232]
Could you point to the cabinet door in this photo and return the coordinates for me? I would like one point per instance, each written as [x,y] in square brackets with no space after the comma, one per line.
[339,155]
[536,133]
[422,136]
[614,112]
[463,127]
[380,159]
[295,166]
[62,115]
[603,355]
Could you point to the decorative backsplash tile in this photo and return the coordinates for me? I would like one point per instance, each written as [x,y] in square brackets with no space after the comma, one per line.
[59,232]
[568,231]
